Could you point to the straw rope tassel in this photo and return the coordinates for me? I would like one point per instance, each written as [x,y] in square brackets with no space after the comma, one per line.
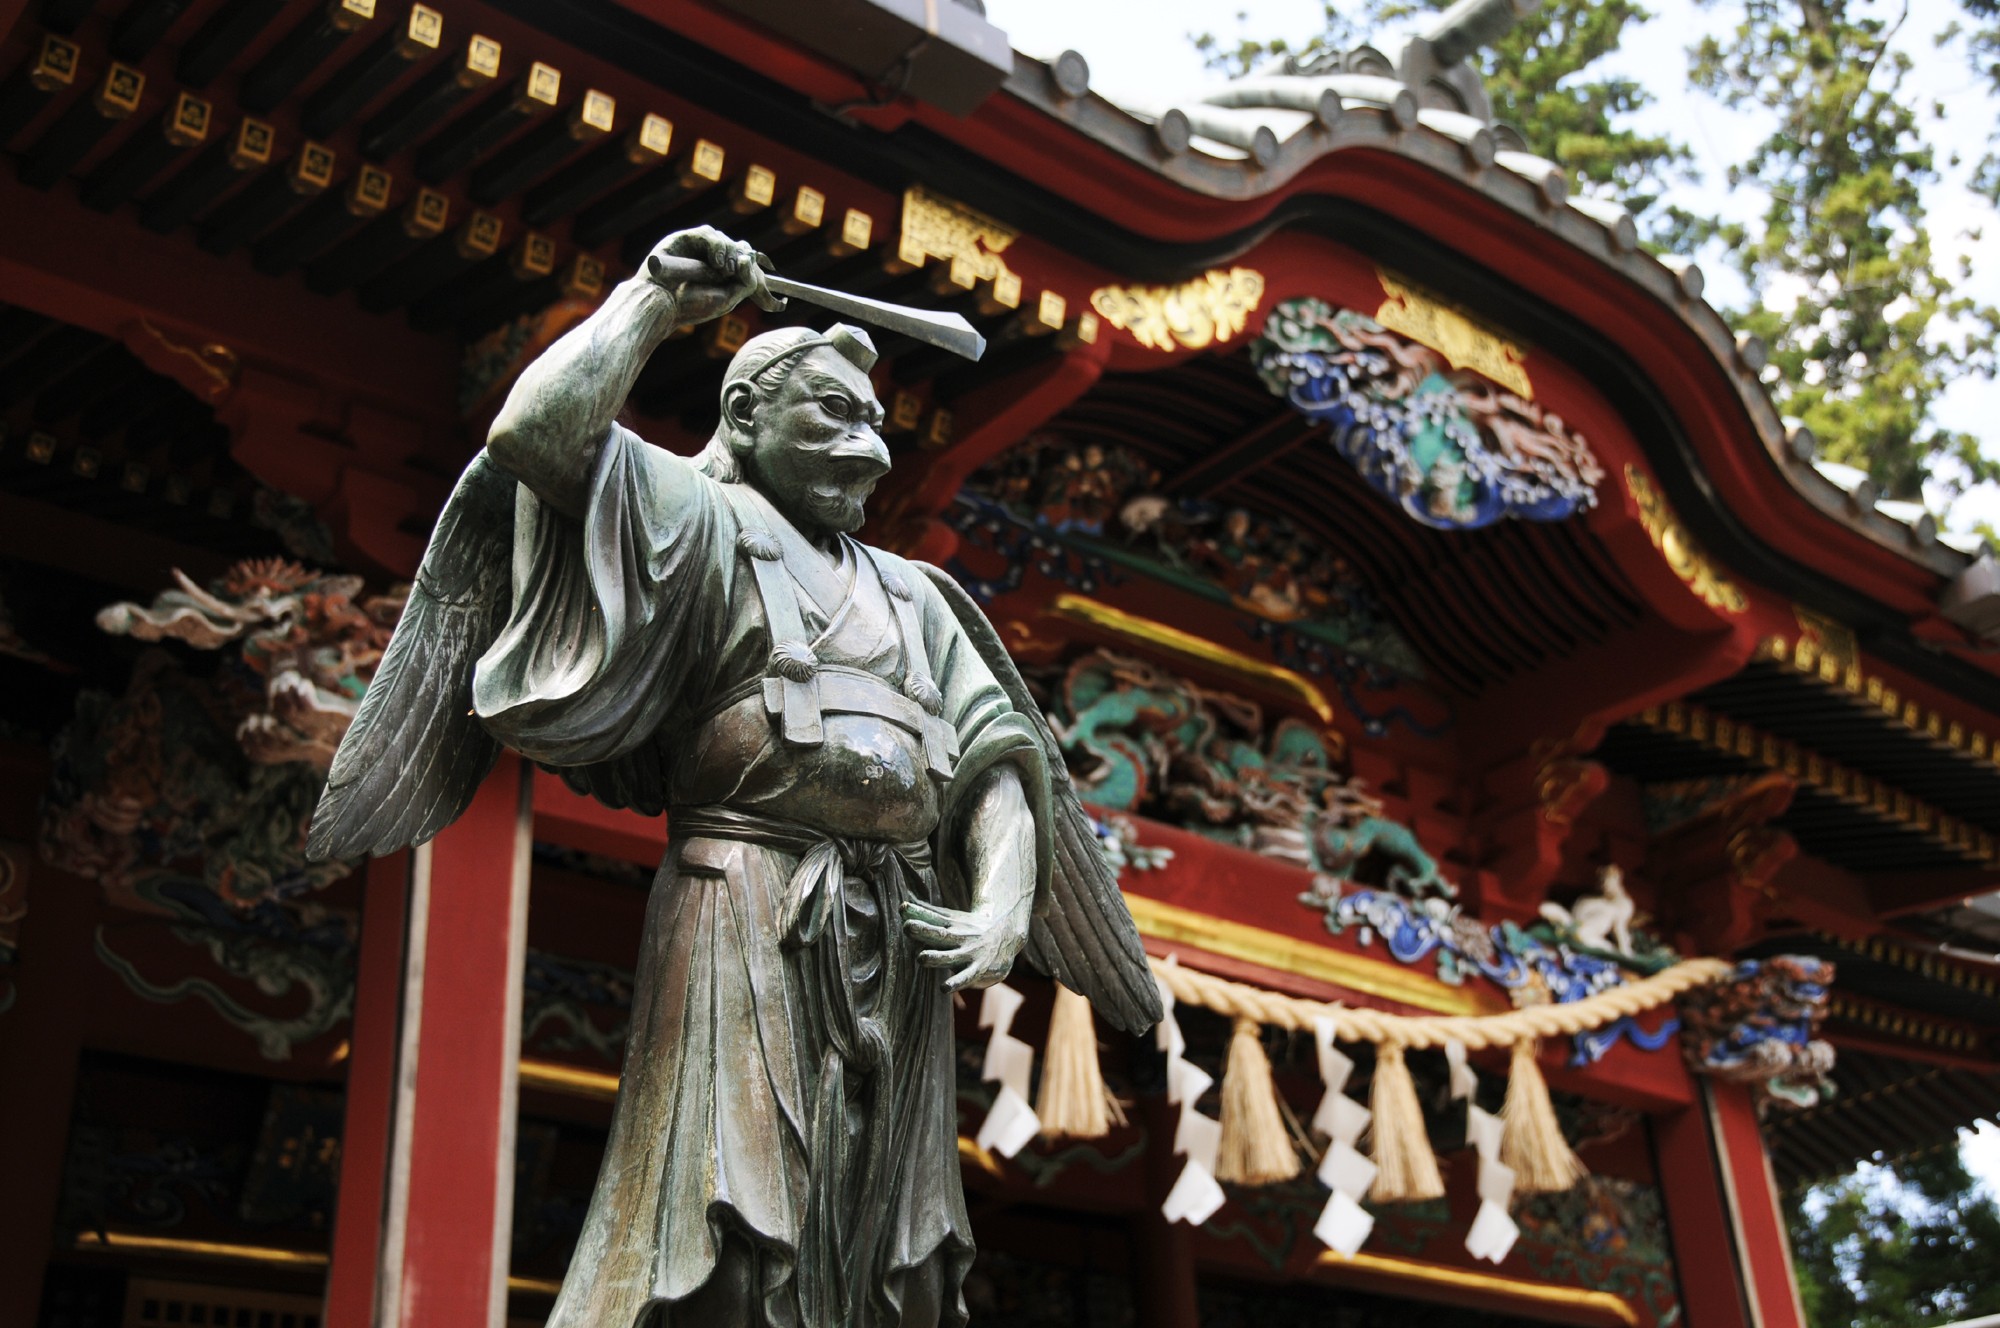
[1073,1103]
[1255,1147]
[1406,1167]
[1533,1143]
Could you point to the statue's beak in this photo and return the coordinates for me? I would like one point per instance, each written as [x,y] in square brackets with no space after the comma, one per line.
[862,449]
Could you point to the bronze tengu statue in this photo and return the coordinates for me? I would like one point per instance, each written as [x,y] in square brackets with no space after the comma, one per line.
[868,811]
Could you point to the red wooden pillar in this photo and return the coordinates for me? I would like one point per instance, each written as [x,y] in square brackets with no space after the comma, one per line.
[427,1171]
[1730,1247]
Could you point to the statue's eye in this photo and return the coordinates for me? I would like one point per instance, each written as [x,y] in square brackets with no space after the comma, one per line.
[837,406]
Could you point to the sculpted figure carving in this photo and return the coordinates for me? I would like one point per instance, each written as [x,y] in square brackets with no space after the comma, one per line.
[867,810]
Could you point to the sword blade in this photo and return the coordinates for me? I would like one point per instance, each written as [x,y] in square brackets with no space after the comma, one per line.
[944,330]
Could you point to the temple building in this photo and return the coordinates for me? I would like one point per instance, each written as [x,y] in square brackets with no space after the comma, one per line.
[1564,811]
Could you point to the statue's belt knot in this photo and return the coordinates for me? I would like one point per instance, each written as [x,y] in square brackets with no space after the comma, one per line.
[825,862]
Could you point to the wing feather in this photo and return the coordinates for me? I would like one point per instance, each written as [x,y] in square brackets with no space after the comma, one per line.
[1085,939]
[415,754]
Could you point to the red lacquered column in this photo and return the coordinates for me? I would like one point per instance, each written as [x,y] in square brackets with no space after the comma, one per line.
[1730,1247]
[427,1173]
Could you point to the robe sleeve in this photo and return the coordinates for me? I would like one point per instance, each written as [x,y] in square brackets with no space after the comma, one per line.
[612,617]
[990,732]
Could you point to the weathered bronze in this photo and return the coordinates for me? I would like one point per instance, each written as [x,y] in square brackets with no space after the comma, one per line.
[867,809]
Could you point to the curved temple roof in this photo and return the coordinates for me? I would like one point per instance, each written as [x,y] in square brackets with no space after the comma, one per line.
[1250,136]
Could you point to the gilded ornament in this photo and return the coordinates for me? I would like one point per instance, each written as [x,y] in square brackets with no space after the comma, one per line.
[971,242]
[1463,343]
[1827,651]
[1198,649]
[1213,307]
[1685,557]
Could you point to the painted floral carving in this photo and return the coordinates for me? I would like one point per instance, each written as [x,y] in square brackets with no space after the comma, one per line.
[151,795]
[1449,446]
[1102,507]
[1761,1028]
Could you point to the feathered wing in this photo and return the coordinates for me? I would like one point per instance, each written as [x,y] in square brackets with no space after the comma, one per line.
[1085,939]
[415,754]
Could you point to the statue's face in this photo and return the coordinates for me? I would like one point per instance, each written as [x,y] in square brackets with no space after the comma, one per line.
[816,452]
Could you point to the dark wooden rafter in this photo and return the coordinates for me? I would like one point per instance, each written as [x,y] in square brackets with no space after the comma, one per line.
[1236,460]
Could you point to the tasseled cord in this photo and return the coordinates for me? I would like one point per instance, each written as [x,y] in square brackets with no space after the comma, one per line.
[1256,1149]
[1073,1102]
[1405,1166]
[1532,1143]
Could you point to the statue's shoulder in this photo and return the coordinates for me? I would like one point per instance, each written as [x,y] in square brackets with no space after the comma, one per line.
[680,476]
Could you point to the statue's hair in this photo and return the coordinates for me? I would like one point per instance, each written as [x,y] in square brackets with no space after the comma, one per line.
[765,362]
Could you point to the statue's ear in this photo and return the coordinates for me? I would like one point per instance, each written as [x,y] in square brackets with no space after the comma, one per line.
[739,411]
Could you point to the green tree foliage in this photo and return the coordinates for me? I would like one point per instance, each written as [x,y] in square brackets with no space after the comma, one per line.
[1877,331]
[1900,1246]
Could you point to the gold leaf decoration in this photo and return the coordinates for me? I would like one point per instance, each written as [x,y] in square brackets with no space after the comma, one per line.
[1213,307]
[971,242]
[1463,343]
[1685,557]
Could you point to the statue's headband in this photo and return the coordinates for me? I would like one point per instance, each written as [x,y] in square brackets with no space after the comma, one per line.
[788,344]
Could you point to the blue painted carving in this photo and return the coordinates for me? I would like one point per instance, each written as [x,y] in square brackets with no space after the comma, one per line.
[1761,1028]
[1461,947]
[1452,449]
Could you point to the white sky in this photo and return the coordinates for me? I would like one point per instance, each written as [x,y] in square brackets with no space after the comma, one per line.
[1139,52]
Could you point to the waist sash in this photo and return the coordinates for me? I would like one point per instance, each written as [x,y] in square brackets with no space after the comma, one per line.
[877,1008]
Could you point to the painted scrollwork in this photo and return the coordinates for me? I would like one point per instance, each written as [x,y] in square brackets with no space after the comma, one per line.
[186,798]
[1102,508]
[1533,967]
[1761,1028]
[1452,448]
[313,639]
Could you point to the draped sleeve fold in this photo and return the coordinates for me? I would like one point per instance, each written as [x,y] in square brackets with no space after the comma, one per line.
[611,621]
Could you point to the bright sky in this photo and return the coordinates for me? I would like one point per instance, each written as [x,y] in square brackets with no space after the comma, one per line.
[1139,51]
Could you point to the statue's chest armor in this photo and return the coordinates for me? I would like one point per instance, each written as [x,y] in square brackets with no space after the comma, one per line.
[840,730]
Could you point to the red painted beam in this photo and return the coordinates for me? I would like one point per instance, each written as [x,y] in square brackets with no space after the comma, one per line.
[1764,1249]
[1895,894]
[568,818]
[44,535]
[101,272]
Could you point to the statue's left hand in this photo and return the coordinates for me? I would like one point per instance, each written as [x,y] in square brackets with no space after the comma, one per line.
[978,945]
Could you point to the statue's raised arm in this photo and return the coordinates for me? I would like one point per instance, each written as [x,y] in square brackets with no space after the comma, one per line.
[548,432]
[416,752]
[866,810]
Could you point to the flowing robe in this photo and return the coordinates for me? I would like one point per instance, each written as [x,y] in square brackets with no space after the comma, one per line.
[788,1079]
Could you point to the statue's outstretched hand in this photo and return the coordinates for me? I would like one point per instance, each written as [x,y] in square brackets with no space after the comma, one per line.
[731,272]
[977,945]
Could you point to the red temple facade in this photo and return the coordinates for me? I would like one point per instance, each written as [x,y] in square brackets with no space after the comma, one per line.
[1435,612]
